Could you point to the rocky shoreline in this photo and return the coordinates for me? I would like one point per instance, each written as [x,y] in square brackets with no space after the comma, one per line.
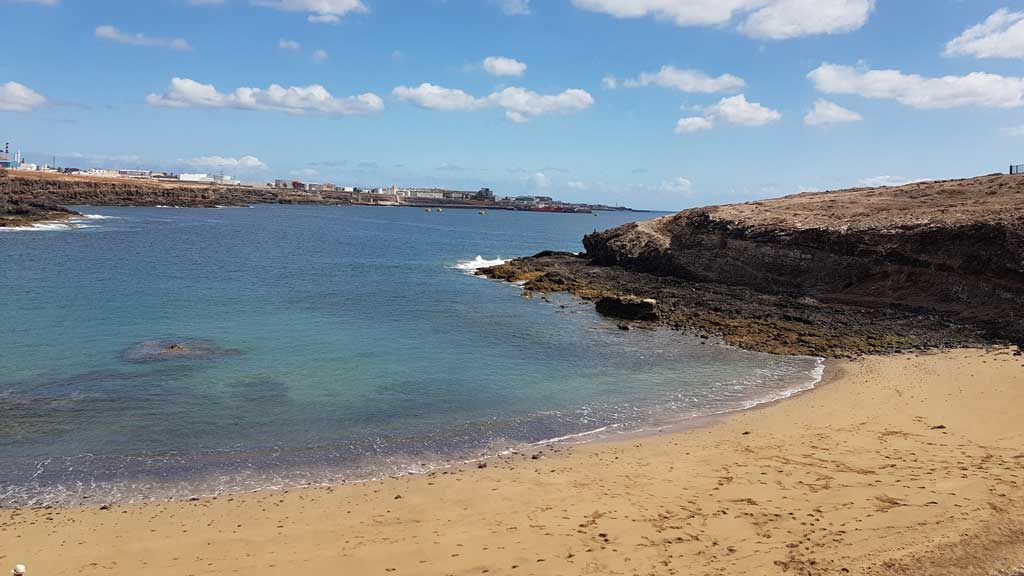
[834,274]
[20,213]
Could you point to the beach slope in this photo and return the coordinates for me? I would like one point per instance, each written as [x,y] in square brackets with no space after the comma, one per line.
[909,464]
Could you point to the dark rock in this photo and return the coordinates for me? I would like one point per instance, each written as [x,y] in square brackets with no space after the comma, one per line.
[482,465]
[628,307]
[939,427]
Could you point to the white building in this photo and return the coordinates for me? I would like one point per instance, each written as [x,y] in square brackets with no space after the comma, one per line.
[28,166]
[195,178]
[102,173]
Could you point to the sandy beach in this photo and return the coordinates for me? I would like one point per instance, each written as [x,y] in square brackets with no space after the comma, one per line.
[909,464]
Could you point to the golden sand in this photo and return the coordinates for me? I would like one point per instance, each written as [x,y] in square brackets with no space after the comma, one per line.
[909,465]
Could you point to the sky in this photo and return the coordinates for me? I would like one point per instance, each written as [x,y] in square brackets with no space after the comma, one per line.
[655,104]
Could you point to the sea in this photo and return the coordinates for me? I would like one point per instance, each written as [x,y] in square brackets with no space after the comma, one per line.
[325,345]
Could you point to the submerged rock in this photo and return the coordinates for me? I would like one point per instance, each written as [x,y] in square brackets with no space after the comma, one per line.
[163,350]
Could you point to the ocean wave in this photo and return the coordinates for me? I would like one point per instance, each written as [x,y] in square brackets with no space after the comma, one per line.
[478,263]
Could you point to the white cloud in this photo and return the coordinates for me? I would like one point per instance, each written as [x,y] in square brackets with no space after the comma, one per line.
[879,181]
[693,124]
[501,66]
[610,82]
[435,97]
[108,32]
[313,99]
[577,185]
[243,163]
[785,19]
[1001,35]
[771,19]
[514,7]
[978,89]
[15,97]
[37,2]
[679,185]
[519,104]
[826,113]
[1015,130]
[737,110]
[693,81]
[284,44]
[320,11]
[320,55]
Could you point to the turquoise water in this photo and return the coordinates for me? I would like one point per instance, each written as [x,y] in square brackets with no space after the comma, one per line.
[344,343]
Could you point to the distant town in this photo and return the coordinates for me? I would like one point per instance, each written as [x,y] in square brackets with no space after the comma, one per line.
[375,196]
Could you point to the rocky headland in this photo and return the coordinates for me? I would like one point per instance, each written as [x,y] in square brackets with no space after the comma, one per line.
[837,273]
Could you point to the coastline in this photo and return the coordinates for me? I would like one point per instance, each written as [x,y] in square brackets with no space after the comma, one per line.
[904,464]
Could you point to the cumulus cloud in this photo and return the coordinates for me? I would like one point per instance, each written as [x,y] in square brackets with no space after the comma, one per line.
[320,55]
[519,104]
[769,19]
[693,124]
[610,82]
[577,185]
[514,7]
[501,66]
[978,89]
[827,113]
[15,97]
[1001,35]
[879,181]
[107,32]
[243,163]
[320,11]
[312,99]
[434,97]
[692,81]
[736,110]
[679,185]
[284,44]
[786,19]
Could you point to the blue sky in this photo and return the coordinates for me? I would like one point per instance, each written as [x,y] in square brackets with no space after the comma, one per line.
[651,103]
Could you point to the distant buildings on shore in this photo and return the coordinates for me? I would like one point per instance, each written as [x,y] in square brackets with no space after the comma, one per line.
[392,196]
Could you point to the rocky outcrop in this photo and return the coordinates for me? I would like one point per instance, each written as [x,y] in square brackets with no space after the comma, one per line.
[628,307]
[19,212]
[929,264]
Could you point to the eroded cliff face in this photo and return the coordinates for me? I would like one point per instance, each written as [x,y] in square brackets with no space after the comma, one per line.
[948,256]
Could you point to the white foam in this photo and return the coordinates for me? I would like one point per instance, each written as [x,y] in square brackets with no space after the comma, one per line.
[478,263]
[76,223]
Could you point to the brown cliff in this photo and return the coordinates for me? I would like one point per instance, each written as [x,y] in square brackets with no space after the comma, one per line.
[832,273]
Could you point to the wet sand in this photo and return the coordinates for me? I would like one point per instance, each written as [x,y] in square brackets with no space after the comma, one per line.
[910,464]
